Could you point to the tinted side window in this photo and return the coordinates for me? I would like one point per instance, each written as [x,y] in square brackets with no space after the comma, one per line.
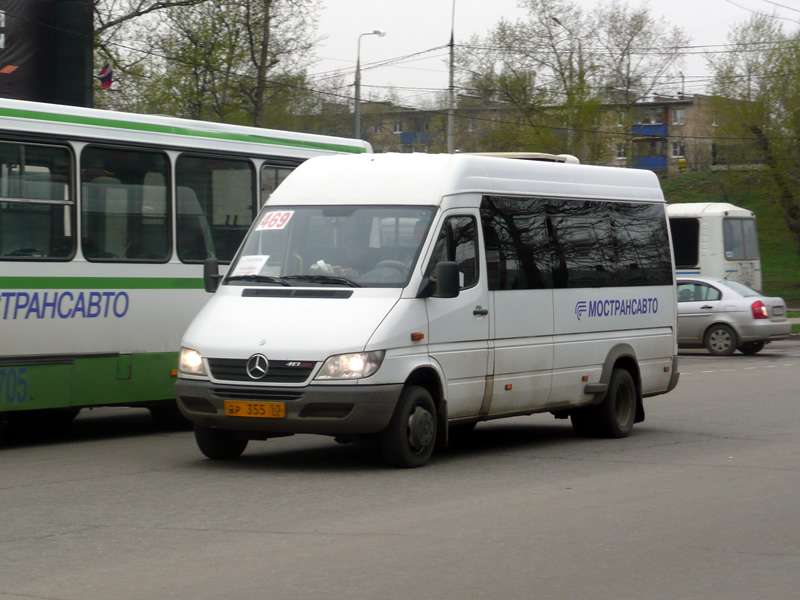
[582,235]
[641,244]
[518,249]
[538,243]
[686,241]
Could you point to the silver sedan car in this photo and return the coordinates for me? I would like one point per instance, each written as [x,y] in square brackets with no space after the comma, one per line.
[724,316]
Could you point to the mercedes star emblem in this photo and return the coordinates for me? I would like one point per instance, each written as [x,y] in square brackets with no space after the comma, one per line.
[257,366]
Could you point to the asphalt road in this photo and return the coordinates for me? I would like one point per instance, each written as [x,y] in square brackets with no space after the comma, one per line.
[701,502]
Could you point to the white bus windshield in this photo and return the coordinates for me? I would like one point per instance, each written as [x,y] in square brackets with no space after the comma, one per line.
[359,246]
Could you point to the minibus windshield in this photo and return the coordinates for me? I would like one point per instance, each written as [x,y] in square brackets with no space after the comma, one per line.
[354,246]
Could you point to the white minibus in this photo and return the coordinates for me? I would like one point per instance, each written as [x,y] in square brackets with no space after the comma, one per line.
[404,297]
[716,239]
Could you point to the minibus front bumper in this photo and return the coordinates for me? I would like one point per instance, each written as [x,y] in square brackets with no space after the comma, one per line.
[322,409]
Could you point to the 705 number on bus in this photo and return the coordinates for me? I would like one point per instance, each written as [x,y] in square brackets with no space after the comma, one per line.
[13,385]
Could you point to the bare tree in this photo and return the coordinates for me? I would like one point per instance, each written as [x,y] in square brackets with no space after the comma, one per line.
[558,66]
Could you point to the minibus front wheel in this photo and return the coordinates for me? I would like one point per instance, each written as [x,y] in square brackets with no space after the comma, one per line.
[218,444]
[410,437]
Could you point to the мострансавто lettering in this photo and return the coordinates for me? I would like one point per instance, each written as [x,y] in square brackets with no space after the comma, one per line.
[63,305]
[616,308]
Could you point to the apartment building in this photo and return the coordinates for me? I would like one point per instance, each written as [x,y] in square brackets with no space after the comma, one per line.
[664,134]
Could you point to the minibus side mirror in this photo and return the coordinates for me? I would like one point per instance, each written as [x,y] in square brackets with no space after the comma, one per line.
[211,276]
[447,280]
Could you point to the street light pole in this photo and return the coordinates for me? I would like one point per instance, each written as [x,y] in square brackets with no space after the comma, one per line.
[357,108]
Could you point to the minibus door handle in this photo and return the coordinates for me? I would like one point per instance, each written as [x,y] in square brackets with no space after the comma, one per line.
[480,311]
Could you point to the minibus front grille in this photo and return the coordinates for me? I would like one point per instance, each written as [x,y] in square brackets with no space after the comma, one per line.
[279,371]
[255,394]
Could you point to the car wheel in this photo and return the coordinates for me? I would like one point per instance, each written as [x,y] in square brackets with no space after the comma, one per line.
[409,439]
[218,444]
[720,340]
[751,347]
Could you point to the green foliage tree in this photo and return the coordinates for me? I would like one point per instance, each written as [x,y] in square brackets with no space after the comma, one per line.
[756,99]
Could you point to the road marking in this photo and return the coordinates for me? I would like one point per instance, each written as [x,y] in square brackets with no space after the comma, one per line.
[708,371]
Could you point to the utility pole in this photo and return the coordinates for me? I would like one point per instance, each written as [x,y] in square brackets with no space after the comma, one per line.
[451,116]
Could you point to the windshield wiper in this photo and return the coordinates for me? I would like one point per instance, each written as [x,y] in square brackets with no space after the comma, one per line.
[325,279]
[259,278]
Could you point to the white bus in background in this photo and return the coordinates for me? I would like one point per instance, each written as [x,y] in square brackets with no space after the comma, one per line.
[716,239]
[404,297]
[105,221]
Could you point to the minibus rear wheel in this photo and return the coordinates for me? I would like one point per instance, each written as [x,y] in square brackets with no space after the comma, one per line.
[218,444]
[617,412]
[410,437]
[615,415]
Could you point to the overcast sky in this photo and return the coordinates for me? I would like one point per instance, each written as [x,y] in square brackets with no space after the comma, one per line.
[416,26]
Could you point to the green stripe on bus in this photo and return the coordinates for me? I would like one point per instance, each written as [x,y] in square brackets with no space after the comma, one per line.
[94,283]
[184,131]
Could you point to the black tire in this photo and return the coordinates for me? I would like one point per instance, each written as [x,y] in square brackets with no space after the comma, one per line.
[219,444]
[615,415]
[720,340]
[751,348]
[617,412]
[410,437]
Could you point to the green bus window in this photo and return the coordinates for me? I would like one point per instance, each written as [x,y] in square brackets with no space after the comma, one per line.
[124,211]
[271,178]
[215,195]
[36,206]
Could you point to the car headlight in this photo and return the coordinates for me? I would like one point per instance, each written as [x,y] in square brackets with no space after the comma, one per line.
[351,366]
[191,362]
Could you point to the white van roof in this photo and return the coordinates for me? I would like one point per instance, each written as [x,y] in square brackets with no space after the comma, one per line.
[696,209]
[427,178]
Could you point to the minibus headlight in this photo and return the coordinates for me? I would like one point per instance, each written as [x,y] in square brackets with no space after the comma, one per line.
[351,366]
[191,362]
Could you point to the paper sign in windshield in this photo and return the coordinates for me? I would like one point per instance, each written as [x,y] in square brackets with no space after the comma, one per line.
[250,265]
[274,220]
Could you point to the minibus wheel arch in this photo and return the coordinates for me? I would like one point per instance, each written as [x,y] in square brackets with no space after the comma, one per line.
[428,378]
[622,356]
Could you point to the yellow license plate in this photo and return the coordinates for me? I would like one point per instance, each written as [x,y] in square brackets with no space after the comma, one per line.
[264,410]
